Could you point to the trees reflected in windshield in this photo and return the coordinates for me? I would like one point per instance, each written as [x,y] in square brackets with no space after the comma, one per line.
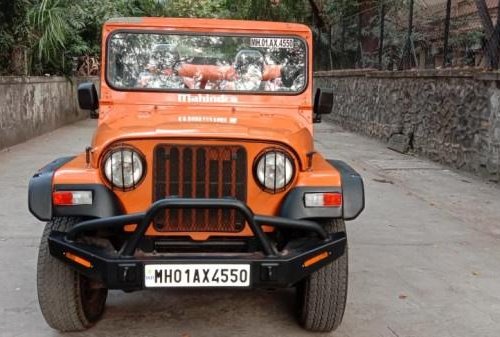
[213,63]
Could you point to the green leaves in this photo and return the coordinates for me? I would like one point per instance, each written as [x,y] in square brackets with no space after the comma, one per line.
[53,24]
[53,32]
[268,10]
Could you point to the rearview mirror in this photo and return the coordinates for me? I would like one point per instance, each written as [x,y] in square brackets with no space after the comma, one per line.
[323,103]
[87,98]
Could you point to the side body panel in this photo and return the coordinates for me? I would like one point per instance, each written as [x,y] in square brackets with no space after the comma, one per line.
[326,176]
[40,189]
[69,173]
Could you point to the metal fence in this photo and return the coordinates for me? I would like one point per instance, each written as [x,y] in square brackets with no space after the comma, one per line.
[412,34]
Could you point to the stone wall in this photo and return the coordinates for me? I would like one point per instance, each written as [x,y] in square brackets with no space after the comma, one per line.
[452,117]
[31,106]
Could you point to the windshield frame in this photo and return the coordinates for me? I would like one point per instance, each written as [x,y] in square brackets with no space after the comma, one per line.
[204,91]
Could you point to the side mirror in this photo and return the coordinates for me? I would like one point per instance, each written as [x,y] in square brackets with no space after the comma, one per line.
[87,98]
[323,103]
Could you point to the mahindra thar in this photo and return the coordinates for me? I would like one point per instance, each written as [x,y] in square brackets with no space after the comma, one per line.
[202,172]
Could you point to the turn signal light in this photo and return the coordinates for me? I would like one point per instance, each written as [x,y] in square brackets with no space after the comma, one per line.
[77,259]
[315,259]
[68,198]
[326,199]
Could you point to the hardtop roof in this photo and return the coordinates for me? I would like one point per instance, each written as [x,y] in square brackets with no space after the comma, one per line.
[220,24]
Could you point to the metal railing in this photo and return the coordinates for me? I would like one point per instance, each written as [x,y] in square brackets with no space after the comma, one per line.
[411,34]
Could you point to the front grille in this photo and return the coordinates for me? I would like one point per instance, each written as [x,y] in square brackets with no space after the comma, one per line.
[188,171]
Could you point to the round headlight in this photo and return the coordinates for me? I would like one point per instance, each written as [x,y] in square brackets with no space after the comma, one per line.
[124,168]
[274,170]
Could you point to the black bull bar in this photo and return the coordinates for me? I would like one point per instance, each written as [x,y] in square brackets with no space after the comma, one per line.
[269,268]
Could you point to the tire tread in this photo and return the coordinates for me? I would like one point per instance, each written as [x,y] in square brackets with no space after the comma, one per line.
[322,296]
[58,285]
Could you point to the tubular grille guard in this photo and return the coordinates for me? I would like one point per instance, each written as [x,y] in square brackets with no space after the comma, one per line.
[190,171]
[143,220]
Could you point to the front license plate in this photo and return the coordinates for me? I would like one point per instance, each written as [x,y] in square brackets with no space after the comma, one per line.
[196,275]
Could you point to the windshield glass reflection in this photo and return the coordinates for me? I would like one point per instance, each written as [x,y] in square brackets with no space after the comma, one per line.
[210,63]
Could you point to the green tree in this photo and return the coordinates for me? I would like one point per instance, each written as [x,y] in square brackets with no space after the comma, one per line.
[14,31]
[269,10]
[54,24]
[49,34]
[197,8]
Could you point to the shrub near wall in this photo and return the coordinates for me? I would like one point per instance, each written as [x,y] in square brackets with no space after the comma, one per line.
[31,106]
[452,117]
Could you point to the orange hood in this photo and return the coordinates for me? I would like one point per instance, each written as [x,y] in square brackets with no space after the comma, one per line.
[284,126]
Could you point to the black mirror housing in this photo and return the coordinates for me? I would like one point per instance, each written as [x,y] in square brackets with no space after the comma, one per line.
[323,103]
[88,99]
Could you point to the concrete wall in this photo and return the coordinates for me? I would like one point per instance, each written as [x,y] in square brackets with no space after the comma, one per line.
[31,106]
[452,117]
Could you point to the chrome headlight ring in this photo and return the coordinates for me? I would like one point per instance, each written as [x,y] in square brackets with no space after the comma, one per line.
[124,167]
[274,170]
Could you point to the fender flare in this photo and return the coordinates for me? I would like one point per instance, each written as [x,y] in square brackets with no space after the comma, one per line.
[353,196]
[40,189]
[353,190]
[105,203]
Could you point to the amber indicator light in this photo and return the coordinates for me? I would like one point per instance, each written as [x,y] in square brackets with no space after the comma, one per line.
[79,260]
[315,259]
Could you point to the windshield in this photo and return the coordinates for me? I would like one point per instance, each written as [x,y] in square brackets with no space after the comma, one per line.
[208,63]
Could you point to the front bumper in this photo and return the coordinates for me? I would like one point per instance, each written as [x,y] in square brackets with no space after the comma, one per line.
[124,269]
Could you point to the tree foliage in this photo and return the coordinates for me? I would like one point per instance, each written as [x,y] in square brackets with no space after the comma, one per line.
[268,10]
[50,34]
[52,29]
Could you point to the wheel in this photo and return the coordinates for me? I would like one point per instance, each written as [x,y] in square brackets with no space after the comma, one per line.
[322,296]
[68,300]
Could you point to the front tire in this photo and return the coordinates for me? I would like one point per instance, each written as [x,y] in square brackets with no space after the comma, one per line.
[68,301]
[322,296]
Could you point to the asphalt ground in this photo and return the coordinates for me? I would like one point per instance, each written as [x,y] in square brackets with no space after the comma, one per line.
[424,256]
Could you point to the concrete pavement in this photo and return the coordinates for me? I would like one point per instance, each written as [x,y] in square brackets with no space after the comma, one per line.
[424,256]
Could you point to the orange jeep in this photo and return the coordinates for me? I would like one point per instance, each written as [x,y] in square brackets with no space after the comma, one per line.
[202,172]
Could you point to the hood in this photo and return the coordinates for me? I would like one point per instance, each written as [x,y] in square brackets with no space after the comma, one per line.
[285,126]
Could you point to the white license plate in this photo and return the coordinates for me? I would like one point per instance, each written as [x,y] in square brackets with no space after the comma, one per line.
[196,275]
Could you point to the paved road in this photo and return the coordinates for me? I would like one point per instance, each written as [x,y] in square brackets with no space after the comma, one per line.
[424,257]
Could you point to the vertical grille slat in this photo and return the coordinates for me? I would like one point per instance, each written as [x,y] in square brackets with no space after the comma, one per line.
[200,172]
[173,215]
[241,181]
[201,187]
[187,185]
[213,181]
[226,188]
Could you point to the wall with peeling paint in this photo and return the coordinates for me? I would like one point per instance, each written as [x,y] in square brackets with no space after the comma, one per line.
[31,106]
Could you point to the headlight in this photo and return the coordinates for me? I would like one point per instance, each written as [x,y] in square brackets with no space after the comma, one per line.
[274,170]
[124,167]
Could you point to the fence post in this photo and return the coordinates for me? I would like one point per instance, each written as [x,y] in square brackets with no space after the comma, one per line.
[330,49]
[446,60]
[409,50]
[360,41]
[381,37]
[342,41]
[492,39]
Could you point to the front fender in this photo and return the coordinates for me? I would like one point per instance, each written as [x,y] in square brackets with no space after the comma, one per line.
[353,196]
[105,203]
[353,190]
[40,189]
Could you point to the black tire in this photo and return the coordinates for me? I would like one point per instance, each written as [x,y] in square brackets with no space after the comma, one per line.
[322,296]
[68,300]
